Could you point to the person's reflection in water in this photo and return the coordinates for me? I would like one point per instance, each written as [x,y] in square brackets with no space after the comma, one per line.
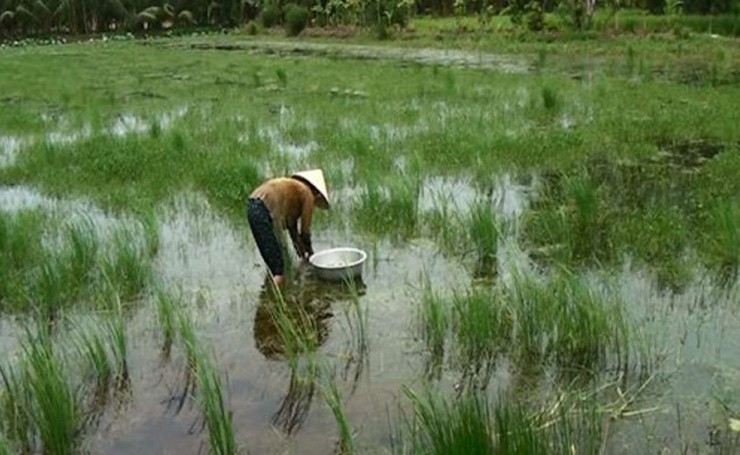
[304,313]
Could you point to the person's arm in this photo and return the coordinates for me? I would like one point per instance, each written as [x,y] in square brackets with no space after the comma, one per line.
[297,243]
[305,235]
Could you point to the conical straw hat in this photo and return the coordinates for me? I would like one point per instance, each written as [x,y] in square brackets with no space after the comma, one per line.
[315,178]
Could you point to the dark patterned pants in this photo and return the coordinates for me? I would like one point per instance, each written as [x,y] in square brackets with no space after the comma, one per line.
[263,231]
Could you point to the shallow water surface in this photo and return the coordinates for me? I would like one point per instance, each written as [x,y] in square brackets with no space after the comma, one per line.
[221,277]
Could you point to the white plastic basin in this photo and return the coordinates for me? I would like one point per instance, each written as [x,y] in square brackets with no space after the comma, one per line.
[338,264]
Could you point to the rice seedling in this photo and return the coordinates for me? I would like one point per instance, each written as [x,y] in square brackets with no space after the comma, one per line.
[389,211]
[484,234]
[51,289]
[726,248]
[472,424]
[94,349]
[213,406]
[566,321]
[440,427]
[434,324]
[127,268]
[297,330]
[482,327]
[209,390]
[20,248]
[345,444]
[5,448]
[83,246]
[15,407]
[119,343]
[576,225]
[55,411]
[356,319]
[167,306]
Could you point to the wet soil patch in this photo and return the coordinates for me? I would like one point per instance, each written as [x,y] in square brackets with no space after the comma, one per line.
[427,56]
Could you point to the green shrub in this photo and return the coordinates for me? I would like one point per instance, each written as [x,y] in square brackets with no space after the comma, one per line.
[270,16]
[252,28]
[296,19]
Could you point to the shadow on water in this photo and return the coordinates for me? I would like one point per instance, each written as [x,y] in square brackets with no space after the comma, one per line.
[306,307]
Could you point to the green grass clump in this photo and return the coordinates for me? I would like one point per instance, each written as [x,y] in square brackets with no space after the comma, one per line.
[472,425]
[725,218]
[434,322]
[167,315]
[389,211]
[127,268]
[483,235]
[214,407]
[482,327]
[345,444]
[566,321]
[559,321]
[20,250]
[49,265]
[54,408]
[209,391]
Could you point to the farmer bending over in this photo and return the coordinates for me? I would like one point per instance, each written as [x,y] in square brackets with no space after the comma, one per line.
[277,204]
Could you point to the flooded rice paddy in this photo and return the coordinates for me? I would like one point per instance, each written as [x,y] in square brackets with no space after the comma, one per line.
[592,285]
[693,337]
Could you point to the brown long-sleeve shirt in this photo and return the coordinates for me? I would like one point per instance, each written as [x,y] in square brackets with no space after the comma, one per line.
[288,200]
